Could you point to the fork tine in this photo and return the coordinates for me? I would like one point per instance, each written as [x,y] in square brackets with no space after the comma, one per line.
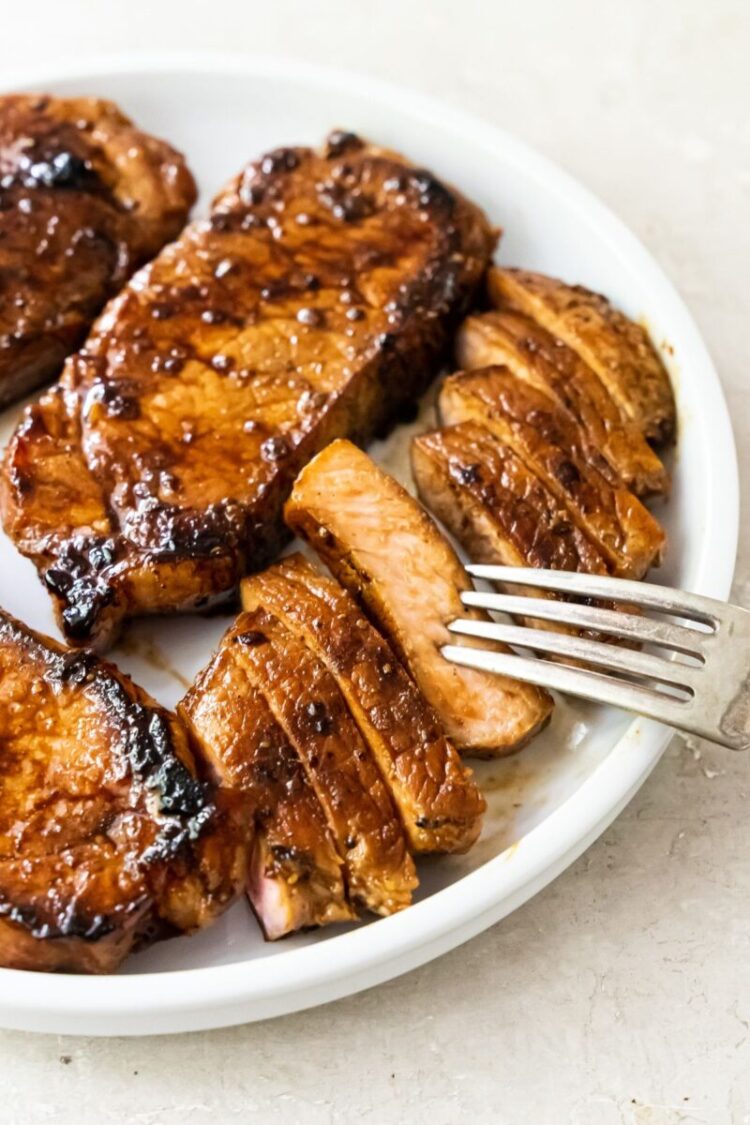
[588,685]
[630,626]
[643,594]
[631,663]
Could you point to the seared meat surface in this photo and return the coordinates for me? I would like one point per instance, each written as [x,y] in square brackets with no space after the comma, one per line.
[547,439]
[498,509]
[85,198]
[438,802]
[616,349]
[316,301]
[295,877]
[306,703]
[535,356]
[107,837]
[382,545]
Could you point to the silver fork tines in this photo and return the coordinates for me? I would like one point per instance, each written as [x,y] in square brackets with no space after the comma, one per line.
[709,697]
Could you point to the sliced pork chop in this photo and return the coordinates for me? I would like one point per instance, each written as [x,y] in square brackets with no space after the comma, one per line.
[85,198]
[295,877]
[495,505]
[437,800]
[308,706]
[107,838]
[382,545]
[547,439]
[497,509]
[316,301]
[510,339]
[617,349]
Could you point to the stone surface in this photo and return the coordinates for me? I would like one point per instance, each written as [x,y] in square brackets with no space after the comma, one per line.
[622,993]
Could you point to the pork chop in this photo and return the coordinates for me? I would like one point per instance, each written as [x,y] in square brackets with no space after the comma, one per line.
[499,510]
[548,440]
[382,545]
[439,804]
[295,877]
[535,356]
[108,839]
[616,348]
[308,706]
[316,301]
[85,198]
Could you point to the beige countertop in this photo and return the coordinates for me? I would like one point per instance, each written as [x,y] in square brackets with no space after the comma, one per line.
[622,992]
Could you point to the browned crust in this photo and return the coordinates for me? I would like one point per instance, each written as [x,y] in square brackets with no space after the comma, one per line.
[616,348]
[470,480]
[550,443]
[85,198]
[308,706]
[381,544]
[439,804]
[499,511]
[535,356]
[106,840]
[316,301]
[295,876]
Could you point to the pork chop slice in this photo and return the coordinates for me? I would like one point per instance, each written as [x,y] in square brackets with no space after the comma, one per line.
[108,839]
[616,348]
[317,300]
[295,877]
[547,439]
[510,339]
[382,545]
[438,802]
[306,703]
[499,510]
[85,198]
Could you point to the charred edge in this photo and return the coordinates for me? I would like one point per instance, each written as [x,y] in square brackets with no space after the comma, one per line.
[147,745]
[169,532]
[77,579]
[340,141]
[73,925]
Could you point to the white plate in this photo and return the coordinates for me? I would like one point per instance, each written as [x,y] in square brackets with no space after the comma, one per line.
[551,802]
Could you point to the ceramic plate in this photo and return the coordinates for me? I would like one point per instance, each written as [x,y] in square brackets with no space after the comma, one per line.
[549,803]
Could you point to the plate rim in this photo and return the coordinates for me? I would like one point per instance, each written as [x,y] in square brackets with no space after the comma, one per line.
[242,991]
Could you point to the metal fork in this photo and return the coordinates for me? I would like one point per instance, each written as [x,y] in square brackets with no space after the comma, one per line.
[707,695]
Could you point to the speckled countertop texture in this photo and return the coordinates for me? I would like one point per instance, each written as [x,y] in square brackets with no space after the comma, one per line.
[621,994]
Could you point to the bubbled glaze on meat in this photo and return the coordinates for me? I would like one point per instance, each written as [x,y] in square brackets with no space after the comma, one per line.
[316,301]
[85,198]
[108,839]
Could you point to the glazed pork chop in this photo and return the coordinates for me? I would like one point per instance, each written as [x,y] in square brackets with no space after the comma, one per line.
[85,198]
[381,544]
[108,840]
[496,507]
[439,804]
[535,356]
[499,510]
[316,301]
[547,439]
[615,348]
[296,876]
[307,705]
